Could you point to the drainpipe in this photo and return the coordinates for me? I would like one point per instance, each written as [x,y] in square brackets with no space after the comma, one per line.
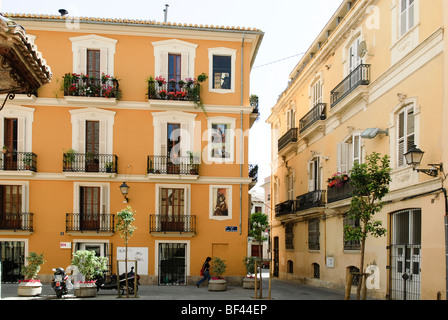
[242,135]
[446,244]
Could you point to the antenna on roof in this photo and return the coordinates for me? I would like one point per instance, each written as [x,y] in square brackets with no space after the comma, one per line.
[63,12]
[166,12]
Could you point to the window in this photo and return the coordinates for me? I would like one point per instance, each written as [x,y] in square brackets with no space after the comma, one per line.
[354,58]
[407,18]
[221,139]
[290,120]
[405,133]
[93,55]
[316,94]
[313,234]
[290,186]
[90,208]
[289,236]
[351,244]
[349,152]
[174,59]
[314,174]
[222,70]
[316,270]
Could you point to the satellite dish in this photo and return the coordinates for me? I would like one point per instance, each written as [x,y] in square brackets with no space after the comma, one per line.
[362,49]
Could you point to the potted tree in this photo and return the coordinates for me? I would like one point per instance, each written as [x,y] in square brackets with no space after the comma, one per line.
[89,265]
[249,280]
[218,283]
[31,286]
[68,159]
[27,161]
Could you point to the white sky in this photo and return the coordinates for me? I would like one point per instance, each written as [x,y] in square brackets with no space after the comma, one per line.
[290,26]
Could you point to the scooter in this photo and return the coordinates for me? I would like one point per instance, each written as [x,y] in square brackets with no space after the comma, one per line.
[59,283]
[112,284]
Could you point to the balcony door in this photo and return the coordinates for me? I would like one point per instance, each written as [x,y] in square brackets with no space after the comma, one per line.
[92,145]
[11,142]
[93,63]
[172,209]
[173,147]
[314,175]
[90,208]
[10,206]
[174,71]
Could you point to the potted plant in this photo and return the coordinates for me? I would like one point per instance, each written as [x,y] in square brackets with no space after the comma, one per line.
[89,265]
[31,286]
[151,168]
[249,280]
[69,158]
[218,283]
[27,161]
[109,165]
[5,149]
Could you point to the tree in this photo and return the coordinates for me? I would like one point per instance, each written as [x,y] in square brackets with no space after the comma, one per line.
[124,225]
[370,183]
[258,225]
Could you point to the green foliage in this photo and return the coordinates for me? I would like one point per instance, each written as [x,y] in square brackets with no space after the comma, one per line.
[218,266]
[370,182]
[249,263]
[124,223]
[89,264]
[34,263]
[258,224]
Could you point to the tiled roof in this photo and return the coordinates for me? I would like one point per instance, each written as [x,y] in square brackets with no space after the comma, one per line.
[127,21]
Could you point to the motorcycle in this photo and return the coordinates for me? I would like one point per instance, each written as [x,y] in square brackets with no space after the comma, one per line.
[112,284]
[59,283]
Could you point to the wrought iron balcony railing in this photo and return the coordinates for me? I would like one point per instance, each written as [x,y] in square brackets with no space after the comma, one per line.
[172,223]
[341,192]
[315,114]
[285,208]
[172,165]
[311,199]
[77,222]
[85,86]
[21,221]
[88,162]
[287,138]
[18,161]
[359,76]
[173,90]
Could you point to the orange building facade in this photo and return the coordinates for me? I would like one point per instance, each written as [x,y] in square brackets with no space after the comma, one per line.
[105,119]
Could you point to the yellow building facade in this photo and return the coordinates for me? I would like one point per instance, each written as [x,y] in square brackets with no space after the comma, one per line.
[374,80]
[104,120]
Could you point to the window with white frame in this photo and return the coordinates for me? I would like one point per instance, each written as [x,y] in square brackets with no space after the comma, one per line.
[222,70]
[405,132]
[349,152]
[93,55]
[407,15]
[21,120]
[290,186]
[316,93]
[290,119]
[174,59]
[221,139]
[314,174]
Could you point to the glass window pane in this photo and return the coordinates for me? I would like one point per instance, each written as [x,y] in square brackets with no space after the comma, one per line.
[222,69]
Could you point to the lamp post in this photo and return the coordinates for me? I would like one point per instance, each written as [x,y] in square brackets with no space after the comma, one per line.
[124,188]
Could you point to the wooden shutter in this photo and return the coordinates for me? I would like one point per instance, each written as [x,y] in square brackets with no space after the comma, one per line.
[184,66]
[82,67]
[342,157]
[311,175]
[103,62]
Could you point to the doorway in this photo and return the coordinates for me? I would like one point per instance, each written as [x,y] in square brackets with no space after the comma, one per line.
[406,255]
[172,264]
[12,258]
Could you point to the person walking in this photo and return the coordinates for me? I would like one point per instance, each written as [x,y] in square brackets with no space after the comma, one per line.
[205,272]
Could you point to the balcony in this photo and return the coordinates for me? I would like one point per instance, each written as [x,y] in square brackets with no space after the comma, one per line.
[172,165]
[98,223]
[81,86]
[285,208]
[313,199]
[88,162]
[173,90]
[288,141]
[358,77]
[18,161]
[337,193]
[161,223]
[11,221]
[316,114]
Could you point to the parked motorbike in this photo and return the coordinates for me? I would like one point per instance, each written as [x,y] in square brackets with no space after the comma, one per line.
[112,284]
[59,283]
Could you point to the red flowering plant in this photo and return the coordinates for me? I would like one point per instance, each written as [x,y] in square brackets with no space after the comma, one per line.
[160,80]
[30,271]
[180,95]
[338,180]
[162,93]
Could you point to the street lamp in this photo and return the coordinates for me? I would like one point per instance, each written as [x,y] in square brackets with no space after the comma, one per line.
[124,188]
[414,157]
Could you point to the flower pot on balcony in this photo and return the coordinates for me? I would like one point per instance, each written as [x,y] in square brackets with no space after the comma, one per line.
[217,284]
[29,288]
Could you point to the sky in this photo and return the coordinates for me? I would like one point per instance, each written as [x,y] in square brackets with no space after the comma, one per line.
[289,26]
